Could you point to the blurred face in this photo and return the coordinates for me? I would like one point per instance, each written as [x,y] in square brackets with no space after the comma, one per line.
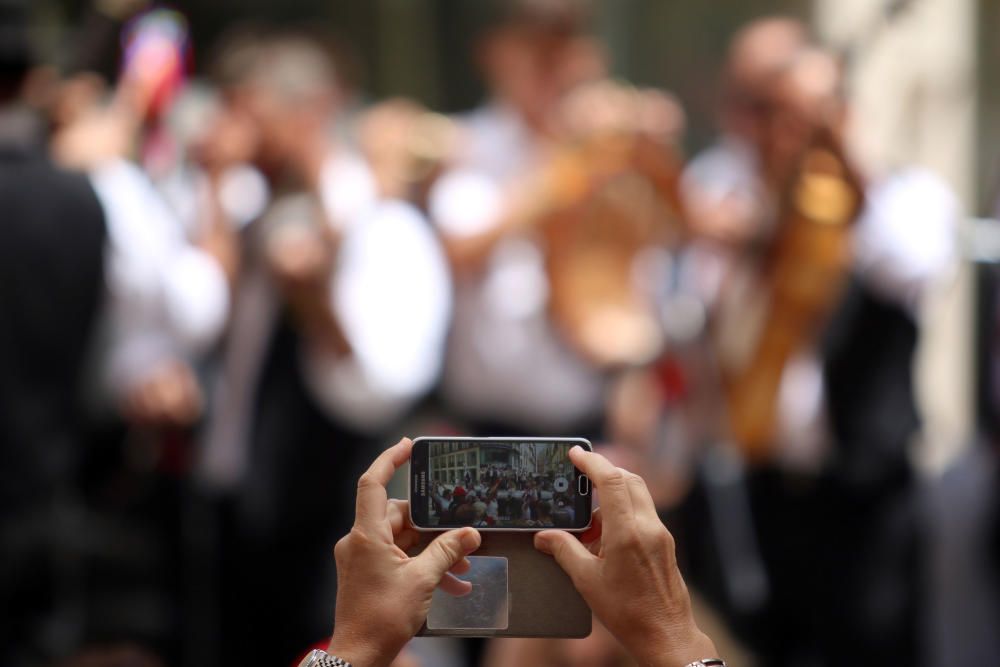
[805,98]
[230,137]
[286,127]
[531,69]
[758,56]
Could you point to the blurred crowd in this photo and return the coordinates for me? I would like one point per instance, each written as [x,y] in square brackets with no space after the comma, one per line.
[221,295]
[519,498]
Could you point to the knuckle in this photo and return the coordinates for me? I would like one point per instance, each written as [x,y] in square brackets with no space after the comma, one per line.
[342,547]
[365,481]
[614,477]
[661,539]
[560,550]
[636,480]
[631,540]
[447,549]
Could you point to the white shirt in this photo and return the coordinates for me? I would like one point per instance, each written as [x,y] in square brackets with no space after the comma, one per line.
[391,293]
[506,360]
[727,169]
[166,298]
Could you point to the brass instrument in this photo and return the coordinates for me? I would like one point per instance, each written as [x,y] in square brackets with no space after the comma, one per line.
[407,147]
[805,271]
[609,191]
[616,195]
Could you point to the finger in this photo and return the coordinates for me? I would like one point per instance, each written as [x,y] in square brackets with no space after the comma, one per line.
[447,550]
[642,501]
[461,567]
[611,485]
[398,514]
[454,586]
[373,500]
[569,552]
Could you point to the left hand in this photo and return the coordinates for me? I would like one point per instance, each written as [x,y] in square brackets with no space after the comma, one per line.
[383,595]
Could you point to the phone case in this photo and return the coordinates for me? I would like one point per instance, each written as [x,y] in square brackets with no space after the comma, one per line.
[541,600]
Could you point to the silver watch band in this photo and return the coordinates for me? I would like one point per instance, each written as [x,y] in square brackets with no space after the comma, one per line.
[318,658]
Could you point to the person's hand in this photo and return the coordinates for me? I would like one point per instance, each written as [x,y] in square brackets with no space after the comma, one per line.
[383,595]
[96,136]
[229,138]
[299,256]
[625,568]
[167,396]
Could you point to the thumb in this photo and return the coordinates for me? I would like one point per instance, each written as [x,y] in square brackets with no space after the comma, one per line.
[568,551]
[446,551]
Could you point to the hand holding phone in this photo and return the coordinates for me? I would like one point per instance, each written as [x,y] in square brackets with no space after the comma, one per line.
[378,585]
[625,567]
[498,484]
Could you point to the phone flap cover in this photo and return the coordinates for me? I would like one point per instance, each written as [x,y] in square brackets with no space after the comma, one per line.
[541,600]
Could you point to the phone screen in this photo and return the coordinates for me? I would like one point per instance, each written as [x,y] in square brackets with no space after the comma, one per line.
[498,484]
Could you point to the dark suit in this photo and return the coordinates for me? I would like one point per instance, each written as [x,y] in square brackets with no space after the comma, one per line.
[52,232]
[295,500]
[840,548]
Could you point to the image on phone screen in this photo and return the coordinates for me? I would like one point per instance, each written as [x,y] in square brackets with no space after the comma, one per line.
[499,484]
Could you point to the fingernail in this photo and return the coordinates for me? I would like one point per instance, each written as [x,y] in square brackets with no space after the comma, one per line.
[470,540]
[575,448]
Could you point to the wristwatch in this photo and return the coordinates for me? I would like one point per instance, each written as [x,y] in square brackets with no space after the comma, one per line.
[318,658]
[708,662]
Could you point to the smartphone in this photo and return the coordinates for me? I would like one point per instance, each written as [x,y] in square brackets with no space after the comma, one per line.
[156,53]
[498,484]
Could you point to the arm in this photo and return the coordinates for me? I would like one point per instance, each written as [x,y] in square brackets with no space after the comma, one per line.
[626,570]
[302,259]
[306,256]
[474,212]
[167,300]
[383,595]
[391,296]
[628,575]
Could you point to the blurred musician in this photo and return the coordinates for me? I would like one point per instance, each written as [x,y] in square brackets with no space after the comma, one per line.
[523,354]
[813,319]
[723,188]
[339,316]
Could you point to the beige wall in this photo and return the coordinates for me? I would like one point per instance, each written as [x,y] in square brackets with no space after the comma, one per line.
[914,95]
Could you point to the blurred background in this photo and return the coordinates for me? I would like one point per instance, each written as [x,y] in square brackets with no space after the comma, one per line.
[746,248]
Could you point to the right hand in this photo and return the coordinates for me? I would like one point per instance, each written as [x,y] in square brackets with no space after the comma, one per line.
[625,568]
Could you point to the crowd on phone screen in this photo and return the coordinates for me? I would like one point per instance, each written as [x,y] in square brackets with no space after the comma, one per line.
[503,497]
[256,283]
